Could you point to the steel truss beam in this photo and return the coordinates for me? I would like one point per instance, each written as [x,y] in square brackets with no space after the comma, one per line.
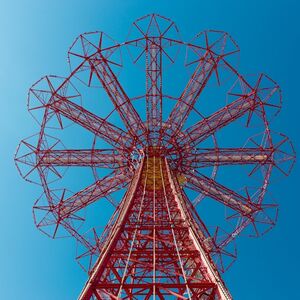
[208,126]
[81,158]
[228,156]
[90,194]
[154,87]
[191,93]
[222,194]
[116,93]
[98,126]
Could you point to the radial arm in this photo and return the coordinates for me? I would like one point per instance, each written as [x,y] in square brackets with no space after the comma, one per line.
[228,197]
[108,158]
[190,94]
[100,127]
[229,156]
[208,126]
[154,85]
[117,95]
[92,193]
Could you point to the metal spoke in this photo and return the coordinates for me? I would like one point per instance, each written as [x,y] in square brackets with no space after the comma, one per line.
[108,158]
[98,126]
[233,111]
[228,156]
[117,95]
[92,193]
[154,87]
[191,93]
[216,191]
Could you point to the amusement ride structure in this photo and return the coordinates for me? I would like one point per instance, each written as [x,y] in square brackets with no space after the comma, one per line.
[154,159]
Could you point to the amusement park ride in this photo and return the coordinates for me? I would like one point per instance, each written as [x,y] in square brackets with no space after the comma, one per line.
[156,159]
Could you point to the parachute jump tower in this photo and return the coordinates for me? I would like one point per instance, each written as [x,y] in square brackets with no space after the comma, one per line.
[155,160]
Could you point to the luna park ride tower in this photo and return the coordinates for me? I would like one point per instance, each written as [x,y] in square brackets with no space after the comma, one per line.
[155,159]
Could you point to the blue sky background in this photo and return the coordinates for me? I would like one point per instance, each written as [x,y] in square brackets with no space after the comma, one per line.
[35,36]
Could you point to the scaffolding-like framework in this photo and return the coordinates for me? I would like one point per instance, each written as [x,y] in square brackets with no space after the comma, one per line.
[155,245]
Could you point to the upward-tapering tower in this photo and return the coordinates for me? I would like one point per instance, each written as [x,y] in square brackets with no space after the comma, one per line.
[155,248]
[160,145]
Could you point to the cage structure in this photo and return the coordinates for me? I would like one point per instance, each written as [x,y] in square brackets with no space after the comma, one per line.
[183,127]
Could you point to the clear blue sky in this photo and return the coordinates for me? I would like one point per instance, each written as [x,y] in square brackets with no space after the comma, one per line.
[35,36]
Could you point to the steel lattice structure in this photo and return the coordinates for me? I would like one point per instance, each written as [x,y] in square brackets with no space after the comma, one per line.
[154,157]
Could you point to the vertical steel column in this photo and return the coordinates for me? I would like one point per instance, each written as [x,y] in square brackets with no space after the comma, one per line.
[154,88]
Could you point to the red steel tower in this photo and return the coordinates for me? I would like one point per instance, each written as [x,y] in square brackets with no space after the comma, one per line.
[162,153]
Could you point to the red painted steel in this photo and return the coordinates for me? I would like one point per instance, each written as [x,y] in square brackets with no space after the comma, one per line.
[155,245]
[154,248]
